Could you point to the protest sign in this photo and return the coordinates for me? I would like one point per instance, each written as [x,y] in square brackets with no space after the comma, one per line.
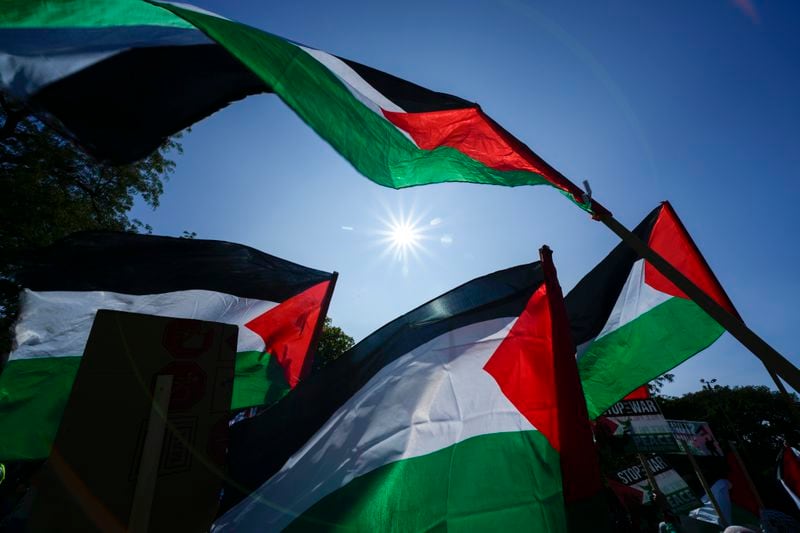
[678,495]
[640,421]
[94,476]
[697,436]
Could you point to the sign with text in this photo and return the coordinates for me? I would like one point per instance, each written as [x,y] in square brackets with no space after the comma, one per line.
[697,436]
[641,422]
[678,495]
[90,478]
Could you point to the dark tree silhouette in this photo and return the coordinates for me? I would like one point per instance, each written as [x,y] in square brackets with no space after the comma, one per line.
[332,343]
[51,188]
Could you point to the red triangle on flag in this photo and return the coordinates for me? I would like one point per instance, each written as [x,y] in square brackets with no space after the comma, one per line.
[741,493]
[672,242]
[642,393]
[523,366]
[789,472]
[288,329]
[535,368]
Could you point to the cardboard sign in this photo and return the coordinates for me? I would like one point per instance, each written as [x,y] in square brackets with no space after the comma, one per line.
[89,481]
[641,421]
[697,436]
[677,493]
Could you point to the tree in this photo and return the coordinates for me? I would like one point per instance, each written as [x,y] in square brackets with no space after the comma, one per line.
[756,418]
[333,342]
[655,386]
[51,188]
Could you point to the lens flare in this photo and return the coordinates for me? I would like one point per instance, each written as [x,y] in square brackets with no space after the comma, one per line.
[402,236]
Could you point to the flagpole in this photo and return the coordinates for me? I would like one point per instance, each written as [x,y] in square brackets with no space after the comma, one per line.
[323,314]
[774,361]
[580,465]
[661,501]
[699,473]
[777,379]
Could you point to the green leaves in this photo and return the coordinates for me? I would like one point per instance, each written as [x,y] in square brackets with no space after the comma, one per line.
[51,188]
[332,343]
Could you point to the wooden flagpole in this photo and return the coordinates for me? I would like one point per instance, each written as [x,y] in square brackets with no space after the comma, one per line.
[722,521]
[777,379]
[661,502]
[313,346]
[580,465]
[774,361]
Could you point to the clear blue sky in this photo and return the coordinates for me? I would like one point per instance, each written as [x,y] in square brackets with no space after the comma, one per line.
[692,102]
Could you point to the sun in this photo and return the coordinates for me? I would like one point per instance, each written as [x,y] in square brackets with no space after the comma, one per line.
[403,235]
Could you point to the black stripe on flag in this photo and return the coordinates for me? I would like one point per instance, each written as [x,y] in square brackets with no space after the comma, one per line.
[591,301]
[411,97]
[131,263]
[260,446]
[153,92]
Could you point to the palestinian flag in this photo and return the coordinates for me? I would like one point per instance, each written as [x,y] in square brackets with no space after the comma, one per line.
[278,305]
[789,473]
[463,413]
[73,61]
[117,76]
[630,324]
[743,496]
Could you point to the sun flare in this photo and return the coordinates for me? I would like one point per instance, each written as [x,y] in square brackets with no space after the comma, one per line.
[403,235]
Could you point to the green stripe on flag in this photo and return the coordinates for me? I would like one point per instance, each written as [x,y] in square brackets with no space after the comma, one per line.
[33,393]
[643,349]
[371,143]
[496,482]
[259,380]
[85,14]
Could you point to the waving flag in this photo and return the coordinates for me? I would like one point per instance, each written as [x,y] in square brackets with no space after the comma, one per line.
[77,62]
[630,324]
[277,305]
[118,76]
[789,472]
[462,413]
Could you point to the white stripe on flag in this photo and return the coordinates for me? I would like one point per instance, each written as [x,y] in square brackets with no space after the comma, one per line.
[636,299]
[57,323]
[357,85]
[22,76]
[429,399]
